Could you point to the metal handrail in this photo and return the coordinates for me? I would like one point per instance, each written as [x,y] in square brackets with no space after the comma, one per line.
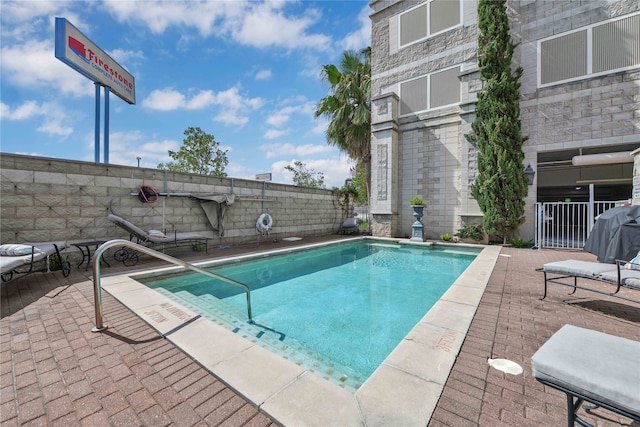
[97,288]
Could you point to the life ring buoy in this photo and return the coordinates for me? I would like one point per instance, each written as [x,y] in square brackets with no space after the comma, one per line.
[264,223]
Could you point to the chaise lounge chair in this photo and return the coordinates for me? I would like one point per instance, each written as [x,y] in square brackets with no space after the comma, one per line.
[591,366]
[26,258]
[151,239]
[350,225]
[613,274]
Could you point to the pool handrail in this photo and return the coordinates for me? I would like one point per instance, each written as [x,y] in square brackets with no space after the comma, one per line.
[97,288]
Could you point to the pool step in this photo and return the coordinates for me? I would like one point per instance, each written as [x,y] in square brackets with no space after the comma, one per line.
[232,319]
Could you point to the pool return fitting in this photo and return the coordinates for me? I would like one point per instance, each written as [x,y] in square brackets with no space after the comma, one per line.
[97,288]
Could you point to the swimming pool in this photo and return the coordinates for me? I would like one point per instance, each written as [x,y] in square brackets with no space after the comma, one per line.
[338,310]
[403,390]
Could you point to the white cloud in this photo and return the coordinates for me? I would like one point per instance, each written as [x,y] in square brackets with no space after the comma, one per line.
[231,117]
[53,117]
[201,100]
[320,127]
[22,11]
[281,117]
[279,150]
[266,25]
[32,66]
[335,170]
[26,110]
[256,24]
[263,74]
[361,37]
[126,57]
[234,108]
[126,147]
[164,100]
[52,127]
[160,15]
[300,106]
[275,133]
[239,170]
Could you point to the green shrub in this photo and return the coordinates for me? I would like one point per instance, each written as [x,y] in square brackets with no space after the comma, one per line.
[471,232]
[446,237]
[519,243]
[199,246]
[417,201]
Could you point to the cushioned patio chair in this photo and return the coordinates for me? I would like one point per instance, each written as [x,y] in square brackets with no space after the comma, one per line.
[350,225]
[591,366]
[612,274]
[26,258]
[152,238]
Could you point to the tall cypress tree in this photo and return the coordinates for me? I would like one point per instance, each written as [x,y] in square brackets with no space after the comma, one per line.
[501,185]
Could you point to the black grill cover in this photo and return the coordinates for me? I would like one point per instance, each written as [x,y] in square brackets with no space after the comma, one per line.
[616,234]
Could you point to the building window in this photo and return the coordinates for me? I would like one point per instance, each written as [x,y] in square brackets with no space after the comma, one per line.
[428,19]
[413,25]
[445,88]
[444,14]
[616,44]
[599,49]
[429,92]
[413,95]
[564,58]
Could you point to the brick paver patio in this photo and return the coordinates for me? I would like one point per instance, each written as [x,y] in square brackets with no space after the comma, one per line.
[55,371]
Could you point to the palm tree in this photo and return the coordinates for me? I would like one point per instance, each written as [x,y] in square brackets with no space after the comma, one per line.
[348,107]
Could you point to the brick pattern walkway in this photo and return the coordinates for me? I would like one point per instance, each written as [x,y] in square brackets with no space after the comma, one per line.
[512,323]
[54,371]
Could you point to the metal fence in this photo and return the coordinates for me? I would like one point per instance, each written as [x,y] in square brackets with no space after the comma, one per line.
[566,225]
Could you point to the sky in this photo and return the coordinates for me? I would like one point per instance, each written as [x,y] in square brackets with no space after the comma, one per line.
[247,73]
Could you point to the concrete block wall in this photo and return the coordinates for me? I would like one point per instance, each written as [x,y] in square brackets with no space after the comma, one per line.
[431,169]
[43,199]
[596,111]
[431,144]
[593,112]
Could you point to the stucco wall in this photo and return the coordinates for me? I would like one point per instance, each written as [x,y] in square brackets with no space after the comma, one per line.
[46,199]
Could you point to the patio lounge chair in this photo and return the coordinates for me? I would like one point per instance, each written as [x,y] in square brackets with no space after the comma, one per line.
[152,238]
[591,366]
[613,274]
[350,225]
[26,258]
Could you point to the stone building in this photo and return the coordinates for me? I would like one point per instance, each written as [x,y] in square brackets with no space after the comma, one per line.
[580,106]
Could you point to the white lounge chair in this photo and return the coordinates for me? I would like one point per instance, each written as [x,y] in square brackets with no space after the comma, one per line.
[151,239]
[613,274]
[591,366]
[26,258]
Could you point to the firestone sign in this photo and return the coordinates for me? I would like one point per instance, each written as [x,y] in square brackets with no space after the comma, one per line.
[81,54]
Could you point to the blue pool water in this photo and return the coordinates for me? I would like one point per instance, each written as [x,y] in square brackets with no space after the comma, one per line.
[341,308]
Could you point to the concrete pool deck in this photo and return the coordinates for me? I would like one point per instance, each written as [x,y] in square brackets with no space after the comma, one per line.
[55,371]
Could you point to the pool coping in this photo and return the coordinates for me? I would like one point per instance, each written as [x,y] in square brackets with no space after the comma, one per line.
[404,390]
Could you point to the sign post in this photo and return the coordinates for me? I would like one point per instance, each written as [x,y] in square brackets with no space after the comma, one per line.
[77,51]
